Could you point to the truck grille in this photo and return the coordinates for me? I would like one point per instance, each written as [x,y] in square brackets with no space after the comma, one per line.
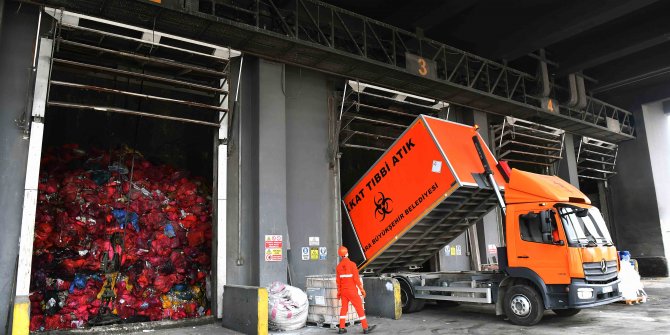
[593,272]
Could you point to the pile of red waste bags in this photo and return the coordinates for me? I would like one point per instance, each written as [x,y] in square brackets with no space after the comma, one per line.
[162,221]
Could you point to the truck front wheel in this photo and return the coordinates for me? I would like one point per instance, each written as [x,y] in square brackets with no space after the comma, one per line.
[410,304]
[523,305]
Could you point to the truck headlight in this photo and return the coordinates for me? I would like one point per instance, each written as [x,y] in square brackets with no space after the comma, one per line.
[585,293]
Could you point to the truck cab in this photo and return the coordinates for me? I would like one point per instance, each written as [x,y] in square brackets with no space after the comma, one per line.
[558,245]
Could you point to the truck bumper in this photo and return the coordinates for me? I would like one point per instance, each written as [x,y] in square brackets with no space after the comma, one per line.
[585,295]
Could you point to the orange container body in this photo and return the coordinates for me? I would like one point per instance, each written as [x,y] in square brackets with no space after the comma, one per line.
[430,161]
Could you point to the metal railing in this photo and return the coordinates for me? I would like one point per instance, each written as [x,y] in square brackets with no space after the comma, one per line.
[320,23]
[314,34]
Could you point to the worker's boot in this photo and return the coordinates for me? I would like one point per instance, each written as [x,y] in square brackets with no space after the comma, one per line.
[369,329]
[342,330]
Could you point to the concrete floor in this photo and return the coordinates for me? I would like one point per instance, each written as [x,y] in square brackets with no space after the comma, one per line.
[649,318]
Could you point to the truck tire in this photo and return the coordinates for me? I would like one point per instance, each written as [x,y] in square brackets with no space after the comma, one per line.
[409,303]
[523,305]
[567,311]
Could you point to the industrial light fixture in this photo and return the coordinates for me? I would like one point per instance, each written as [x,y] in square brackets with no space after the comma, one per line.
[400,96]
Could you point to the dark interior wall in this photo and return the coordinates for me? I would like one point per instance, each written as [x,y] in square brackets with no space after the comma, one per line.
[186,146]
[183,145]
[16,42]
[635,212]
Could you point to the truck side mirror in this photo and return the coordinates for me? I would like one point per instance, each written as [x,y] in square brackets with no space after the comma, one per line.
[584,212]
[545,221]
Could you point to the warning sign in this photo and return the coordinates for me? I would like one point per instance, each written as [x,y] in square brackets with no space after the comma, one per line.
[314,253]
[273,248]
[492,249]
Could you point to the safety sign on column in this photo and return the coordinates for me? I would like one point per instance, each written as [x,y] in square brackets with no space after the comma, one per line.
[273,248]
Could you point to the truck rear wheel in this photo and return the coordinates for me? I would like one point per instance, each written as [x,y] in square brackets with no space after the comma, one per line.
[567,311]
[523,305]
[410,304]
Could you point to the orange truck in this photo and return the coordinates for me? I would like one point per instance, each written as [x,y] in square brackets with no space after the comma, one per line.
[434,182]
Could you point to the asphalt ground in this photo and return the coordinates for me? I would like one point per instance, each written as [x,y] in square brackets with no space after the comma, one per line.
[652,317]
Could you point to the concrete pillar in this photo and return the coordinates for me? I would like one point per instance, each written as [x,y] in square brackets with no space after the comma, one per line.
[241,213]
[567,168]
[16,42]
[309,175]
[257,175]
[639,192]
[271,168]
[603,188]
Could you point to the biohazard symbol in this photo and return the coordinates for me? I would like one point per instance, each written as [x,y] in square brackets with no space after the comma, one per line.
[382,206]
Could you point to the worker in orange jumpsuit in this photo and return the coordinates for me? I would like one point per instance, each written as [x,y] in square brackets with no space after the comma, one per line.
[348,284]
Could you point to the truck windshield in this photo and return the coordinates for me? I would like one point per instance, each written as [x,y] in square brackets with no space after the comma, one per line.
[589,230]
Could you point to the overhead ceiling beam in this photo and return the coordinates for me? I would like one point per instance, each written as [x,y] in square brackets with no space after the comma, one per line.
[635,33]
[567,22]
[610,54]
[441,14]
[432,17]
[633,97]
[637,79]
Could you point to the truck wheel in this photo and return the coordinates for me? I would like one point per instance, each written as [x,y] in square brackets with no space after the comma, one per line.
[410,304]
[567,311]
[523,305]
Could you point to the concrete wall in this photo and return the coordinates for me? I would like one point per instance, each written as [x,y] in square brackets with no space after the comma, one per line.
[286,177]
[633,190]
[16,42]
[658,137]
[308,174]
[243,253]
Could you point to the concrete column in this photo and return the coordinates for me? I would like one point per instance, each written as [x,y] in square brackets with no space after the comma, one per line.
[639,192]
[567,168]
[308,172]
[603,188]
[257,174]
[272,168]
[16,42]
[242,179]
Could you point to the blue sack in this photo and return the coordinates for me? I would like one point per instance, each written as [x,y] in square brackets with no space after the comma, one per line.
[169,231]
[79,282]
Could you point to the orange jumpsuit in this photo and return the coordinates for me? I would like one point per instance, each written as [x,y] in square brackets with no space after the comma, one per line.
[348,282]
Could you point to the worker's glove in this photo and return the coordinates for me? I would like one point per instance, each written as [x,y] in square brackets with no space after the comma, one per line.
[363,293]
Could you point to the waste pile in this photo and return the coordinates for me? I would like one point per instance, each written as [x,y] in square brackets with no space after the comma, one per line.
[287,307]
[117,239]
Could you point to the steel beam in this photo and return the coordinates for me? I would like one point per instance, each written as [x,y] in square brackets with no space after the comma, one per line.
[357,53]
[607,54]
[573,20]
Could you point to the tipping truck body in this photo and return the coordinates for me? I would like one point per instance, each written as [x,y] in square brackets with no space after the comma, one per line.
[434,182]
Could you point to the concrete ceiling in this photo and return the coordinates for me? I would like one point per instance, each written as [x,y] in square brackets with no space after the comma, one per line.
[624,45]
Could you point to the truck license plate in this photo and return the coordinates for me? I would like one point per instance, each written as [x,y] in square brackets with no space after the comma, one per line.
[607,289]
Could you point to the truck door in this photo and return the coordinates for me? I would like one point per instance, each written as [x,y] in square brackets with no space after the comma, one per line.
[538,243]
